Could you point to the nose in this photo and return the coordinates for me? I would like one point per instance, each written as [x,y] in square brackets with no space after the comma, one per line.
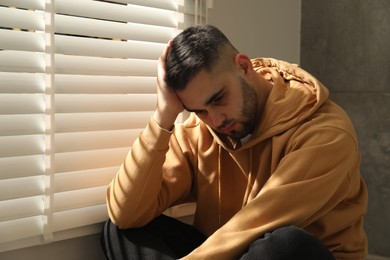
[217,118]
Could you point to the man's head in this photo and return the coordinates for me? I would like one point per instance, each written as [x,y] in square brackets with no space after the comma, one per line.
[195,49]
[215,81]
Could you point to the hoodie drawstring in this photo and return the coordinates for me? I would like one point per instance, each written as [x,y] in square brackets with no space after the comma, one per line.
[249,176]
[250,179]
[219,184]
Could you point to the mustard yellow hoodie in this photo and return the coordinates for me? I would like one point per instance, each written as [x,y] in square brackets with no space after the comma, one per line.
[300,167]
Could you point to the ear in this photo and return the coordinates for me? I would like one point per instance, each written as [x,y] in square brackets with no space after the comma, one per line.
[244,63]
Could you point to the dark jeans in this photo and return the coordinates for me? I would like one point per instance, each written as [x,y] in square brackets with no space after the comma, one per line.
[168,238]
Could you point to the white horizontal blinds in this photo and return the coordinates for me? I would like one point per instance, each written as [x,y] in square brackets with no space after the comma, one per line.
[194,12]
[106,60]
[72,101]
[22,124]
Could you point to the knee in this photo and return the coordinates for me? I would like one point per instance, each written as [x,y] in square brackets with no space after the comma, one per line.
[293,233]
[288,243]
[299,241]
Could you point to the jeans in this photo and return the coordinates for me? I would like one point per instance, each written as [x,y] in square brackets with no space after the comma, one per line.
[167,238]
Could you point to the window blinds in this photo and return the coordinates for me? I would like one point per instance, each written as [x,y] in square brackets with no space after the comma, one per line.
[77,85]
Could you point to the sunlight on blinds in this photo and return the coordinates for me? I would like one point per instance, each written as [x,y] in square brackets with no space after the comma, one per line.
[22,124]
[77,86]
[118,43]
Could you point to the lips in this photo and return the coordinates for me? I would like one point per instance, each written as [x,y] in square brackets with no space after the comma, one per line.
[228,128]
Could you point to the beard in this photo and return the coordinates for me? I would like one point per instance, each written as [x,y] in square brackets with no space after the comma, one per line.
[248,117]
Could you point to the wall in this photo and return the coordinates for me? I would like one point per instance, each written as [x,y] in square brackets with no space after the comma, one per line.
[346,44]
[255,27]
[261,28]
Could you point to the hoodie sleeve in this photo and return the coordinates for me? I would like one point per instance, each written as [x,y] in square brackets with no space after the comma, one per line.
[147,183]
[316,181]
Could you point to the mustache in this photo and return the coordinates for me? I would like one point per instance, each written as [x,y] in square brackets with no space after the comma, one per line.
[225,123]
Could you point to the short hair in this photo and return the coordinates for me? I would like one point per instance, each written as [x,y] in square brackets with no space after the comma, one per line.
[194,49]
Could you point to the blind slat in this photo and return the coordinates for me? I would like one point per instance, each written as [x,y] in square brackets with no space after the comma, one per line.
[79,141]
[21,61]
[21,104]
[12,82]
[112,12]
[112,30]
[21,19]
[21,166]
[104,66]
[23,41]
[21,208]
[88,159]
[21,124]
[79,198]
[32,186]
[86,84]
[81,122]
[21,145]
[30,4]
[79,217]
[20,228]
[107,48]
[161,4]
[84,179]
[86,103]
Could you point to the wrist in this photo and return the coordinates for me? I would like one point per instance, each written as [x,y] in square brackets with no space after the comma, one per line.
[165,120]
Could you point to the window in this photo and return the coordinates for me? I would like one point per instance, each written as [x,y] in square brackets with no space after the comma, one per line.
[77,85]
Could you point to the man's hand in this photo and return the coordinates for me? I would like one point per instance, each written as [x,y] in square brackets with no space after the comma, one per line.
[168,104]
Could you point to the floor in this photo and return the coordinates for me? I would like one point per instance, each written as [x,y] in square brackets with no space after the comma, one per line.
[374,257]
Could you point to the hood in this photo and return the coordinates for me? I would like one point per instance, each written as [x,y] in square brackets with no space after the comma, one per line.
[295,96]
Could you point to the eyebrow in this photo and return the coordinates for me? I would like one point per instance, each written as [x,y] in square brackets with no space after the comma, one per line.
[214,97]
[208,101]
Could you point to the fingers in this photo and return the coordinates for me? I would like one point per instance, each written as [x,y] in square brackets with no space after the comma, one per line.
[165,52]
[161,64]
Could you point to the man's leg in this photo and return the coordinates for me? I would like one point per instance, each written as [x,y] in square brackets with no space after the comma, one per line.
[163,238]
[288,243]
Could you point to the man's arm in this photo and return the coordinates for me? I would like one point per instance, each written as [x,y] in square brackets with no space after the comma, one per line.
[139,191]
[169,105]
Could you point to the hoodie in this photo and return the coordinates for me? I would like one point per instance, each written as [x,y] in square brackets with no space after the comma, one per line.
[300,167]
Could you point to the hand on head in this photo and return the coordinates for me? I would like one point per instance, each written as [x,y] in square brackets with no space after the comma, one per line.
[168,104]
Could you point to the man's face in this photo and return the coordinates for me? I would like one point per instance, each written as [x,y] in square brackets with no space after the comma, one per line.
[224,101]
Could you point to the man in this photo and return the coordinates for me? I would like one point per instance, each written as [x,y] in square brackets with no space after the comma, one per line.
[271,162]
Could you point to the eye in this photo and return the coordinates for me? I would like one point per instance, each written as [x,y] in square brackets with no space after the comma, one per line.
[218,99]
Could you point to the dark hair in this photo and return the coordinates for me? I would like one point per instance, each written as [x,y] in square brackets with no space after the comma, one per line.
[194,49]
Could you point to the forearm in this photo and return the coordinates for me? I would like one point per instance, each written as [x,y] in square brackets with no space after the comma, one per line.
[132,194]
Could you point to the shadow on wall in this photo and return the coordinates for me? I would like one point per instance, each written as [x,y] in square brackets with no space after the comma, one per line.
[345,44]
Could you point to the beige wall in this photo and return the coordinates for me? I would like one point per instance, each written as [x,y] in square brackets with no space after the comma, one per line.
[261,28]
[345,44]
